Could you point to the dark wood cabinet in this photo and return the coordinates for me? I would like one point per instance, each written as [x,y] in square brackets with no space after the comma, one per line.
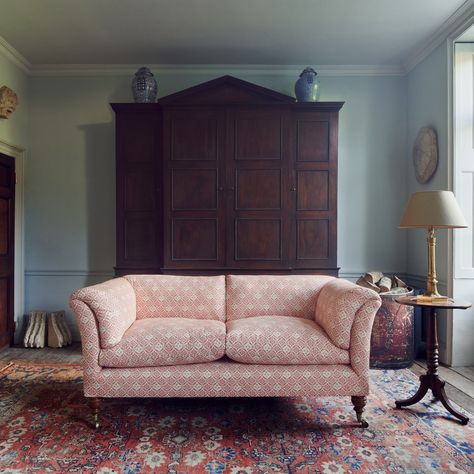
[249,182]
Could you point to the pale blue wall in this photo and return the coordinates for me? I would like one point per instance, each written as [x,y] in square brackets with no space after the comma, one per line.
[14,130]
[70,200]
[427,105]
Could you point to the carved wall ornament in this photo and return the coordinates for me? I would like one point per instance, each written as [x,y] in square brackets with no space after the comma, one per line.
[425,154]
[8,101]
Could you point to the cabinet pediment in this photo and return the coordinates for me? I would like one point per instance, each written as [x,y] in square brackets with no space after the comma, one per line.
[226,90]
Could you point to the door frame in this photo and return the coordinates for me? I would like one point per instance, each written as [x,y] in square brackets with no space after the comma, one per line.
[447,356]
[19,155]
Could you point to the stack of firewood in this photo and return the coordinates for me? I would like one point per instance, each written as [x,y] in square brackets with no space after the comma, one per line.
[47,328]
[380,283]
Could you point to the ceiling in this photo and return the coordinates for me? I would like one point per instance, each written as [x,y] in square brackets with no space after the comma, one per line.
[263,32]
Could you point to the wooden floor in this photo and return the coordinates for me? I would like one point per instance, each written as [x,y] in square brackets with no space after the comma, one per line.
[459,380]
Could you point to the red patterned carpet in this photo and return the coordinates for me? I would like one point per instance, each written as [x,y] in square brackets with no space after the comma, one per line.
[45,427]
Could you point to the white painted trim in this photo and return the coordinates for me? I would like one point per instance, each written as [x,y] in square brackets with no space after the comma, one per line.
[46,70]
[463,16]
[19,155]
[447,357]
[14,56]
[451,39]
[457,21]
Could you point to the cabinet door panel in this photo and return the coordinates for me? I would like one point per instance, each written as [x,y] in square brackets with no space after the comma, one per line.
[140,190]
[258,239]
[194,138]
[312,239]
[312,140]
[139,194]
[313,190]
[257,138]
[258,204]
[4,225]
[193,186]
[194,189]
[194,239]
[258,189]
[140,240]
[314,228]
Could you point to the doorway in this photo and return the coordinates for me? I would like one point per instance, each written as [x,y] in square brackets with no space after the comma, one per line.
[7,249]
[463,187]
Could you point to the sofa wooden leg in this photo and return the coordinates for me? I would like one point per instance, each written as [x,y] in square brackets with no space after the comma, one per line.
[359,404]
[95,404]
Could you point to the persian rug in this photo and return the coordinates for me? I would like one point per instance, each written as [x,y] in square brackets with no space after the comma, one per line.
[45,426]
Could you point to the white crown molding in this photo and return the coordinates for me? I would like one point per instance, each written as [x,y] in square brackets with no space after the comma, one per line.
[46,70]
[7,50]
[455,23]
[459,21]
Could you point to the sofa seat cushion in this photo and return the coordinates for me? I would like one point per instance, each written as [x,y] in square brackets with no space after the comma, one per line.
[167,341]
[281,340]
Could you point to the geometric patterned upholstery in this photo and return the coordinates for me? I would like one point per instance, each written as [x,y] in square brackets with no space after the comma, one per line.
[281,340]
[106,312]
[226,378]
[337,306]
[273,295]
[167,341]
[114,305]
[169,296]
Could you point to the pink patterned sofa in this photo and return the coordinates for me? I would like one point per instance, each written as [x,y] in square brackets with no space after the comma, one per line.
[226,336]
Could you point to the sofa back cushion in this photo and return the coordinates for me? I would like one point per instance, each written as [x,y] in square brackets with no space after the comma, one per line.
[169,296]
[273,295]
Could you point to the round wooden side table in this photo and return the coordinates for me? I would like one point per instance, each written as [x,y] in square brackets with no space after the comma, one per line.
[431,379]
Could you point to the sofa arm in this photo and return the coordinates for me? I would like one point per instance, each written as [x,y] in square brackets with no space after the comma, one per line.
[113,307]
[89,330]
[359,351]
[346,312]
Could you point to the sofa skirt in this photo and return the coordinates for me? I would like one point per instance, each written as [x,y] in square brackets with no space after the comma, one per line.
[225,378]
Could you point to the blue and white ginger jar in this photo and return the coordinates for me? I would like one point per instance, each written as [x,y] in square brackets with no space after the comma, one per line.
[307,86]
[144,86]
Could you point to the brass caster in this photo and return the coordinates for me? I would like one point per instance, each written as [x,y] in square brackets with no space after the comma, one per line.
[95,405]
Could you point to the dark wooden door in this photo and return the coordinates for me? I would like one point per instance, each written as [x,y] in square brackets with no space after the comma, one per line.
[314,181]
[194,233]
[139,188]
[7,238]
[258,188]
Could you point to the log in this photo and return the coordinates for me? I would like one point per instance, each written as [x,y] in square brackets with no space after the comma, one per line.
[366,284]
[373,277]
[385,284]
[35,334]
[59,334]
[398,282]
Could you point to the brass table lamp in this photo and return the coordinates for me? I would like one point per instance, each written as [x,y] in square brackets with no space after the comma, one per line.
[431,210]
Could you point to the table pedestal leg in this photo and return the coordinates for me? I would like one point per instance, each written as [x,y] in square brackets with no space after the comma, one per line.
[431,379]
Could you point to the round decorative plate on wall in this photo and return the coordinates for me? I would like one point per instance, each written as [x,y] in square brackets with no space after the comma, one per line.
[425,154]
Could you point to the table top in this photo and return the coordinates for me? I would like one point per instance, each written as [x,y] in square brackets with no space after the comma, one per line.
[451,304]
